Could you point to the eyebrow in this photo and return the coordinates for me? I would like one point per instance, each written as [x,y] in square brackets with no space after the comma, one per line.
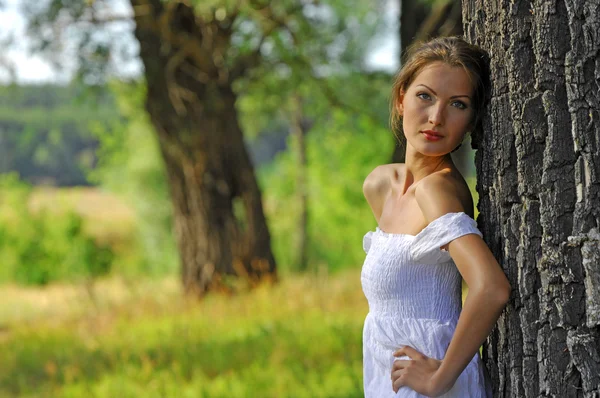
[434,93]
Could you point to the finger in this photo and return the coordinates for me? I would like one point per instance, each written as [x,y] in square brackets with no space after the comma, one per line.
[396,374]
[400,351]
[409,352]
[400,364]
[406,350]
[397,383]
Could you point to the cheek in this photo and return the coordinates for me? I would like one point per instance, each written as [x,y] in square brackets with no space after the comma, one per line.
[413,110]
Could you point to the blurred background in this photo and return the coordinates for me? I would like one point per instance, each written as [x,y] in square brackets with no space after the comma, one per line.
[99,293]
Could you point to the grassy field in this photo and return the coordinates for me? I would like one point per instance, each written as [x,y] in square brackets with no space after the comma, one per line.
[132,337]
[140,337]
[301,338]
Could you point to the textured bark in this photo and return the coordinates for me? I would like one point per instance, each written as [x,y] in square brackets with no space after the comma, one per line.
[538,165]
[219,220]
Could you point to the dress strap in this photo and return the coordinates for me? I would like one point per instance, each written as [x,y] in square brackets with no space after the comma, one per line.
[440,232]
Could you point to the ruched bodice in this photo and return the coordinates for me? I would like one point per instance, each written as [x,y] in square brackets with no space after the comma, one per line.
[396,285]
[414,293]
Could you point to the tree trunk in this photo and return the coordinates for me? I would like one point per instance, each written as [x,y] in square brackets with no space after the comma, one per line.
[298,128]
[412,15]
[219,221]
[539,182]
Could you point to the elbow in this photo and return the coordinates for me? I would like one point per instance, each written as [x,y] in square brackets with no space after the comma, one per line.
[500,294]
[503,294]
[494,294]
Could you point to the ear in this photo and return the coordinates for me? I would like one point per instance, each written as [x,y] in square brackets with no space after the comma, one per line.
[400,103]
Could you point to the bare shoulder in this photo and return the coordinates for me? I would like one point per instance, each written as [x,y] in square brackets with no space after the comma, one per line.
[379,181]
[378,185]
[443,192]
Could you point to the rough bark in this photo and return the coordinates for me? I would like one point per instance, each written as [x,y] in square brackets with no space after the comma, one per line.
[219,221]
[538,165]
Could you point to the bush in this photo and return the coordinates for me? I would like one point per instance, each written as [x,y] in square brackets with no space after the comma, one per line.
[131,167]
[38,247]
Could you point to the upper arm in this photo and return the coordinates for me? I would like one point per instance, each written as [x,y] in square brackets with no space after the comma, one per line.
[376,187]
[472,256]
[477,265]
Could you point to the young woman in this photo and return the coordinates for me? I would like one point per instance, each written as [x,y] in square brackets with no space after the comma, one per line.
[416,339]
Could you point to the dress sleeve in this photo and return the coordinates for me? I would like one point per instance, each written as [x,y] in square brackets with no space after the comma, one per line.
[440,232]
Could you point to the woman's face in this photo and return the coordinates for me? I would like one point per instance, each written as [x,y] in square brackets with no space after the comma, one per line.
[436,109]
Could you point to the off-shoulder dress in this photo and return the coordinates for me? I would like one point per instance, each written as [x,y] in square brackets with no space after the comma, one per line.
[414,293]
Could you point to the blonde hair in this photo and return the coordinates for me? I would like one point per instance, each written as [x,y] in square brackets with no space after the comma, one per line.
[453,51]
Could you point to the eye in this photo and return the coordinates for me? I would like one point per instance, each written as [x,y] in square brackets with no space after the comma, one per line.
[459,105]
[424,96]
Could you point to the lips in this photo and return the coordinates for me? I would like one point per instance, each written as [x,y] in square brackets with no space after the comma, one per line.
[432,135]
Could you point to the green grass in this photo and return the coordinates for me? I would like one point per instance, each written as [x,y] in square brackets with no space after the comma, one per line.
[301,338]
[140,337]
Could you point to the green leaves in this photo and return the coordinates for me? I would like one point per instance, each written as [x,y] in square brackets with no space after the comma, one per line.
[45,131]
[38,246]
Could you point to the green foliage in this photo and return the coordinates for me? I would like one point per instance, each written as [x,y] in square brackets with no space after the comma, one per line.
[38,247]
[287,35]
[130,165]
[44,131]
[320,66]
[274,52]
[343,148]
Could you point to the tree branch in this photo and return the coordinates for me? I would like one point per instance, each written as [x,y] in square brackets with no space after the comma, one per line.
[95,20]
[270,22]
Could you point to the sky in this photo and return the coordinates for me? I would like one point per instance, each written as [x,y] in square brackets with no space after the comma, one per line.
[28,69]
[33,69]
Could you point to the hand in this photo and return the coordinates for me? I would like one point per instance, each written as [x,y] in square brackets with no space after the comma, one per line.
[417,373]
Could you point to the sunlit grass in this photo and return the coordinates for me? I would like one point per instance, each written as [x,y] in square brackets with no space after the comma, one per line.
[131,337]
[299,338]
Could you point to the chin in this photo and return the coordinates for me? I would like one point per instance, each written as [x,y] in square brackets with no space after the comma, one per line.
[433,150]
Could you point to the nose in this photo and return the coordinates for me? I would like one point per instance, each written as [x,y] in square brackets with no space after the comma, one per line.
[436,115]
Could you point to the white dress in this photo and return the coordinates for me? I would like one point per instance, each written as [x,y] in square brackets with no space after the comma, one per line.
[414,292]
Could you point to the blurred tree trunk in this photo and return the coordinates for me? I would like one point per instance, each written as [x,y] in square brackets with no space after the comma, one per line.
[420,21]
[539,182]
[299,128]
[412,15]
[219,221]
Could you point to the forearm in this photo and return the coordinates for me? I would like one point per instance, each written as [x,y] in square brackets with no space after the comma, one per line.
[479,315]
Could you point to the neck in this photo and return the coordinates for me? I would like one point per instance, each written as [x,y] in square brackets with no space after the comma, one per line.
[420,166]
